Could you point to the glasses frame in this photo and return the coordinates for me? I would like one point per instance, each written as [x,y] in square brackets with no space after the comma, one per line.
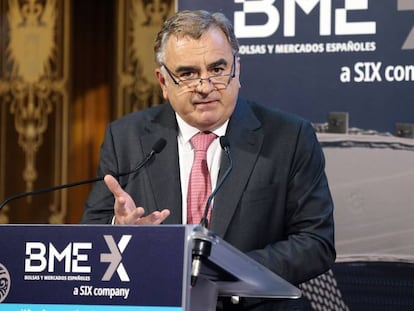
[177,80]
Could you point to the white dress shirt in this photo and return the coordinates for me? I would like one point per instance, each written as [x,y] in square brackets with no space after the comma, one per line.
[186,157]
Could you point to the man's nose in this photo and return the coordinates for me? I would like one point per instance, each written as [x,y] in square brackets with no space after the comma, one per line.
[205,85]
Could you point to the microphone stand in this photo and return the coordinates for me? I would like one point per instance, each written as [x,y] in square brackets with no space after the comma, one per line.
[202,237]
[158,146]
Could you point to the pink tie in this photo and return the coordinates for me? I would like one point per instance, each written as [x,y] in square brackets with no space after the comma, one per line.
[199,185]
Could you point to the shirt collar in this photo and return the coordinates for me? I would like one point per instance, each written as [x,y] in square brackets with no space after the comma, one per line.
[186,131]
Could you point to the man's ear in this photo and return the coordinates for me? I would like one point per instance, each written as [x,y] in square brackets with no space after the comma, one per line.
[238,70]
[162,81]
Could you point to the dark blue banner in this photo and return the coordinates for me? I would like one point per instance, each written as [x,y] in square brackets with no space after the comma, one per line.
[312,57]
[87,267]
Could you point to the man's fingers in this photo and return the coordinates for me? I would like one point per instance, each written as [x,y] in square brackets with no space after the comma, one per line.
[130,218]
[159,217]
[123,203]
[125,210]
[113,185]
[154,218]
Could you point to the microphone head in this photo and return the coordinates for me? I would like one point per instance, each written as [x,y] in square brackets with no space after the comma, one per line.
[159,145]
[224,142]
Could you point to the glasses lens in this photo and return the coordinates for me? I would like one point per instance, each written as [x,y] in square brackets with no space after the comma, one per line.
[219,82]
[190,83]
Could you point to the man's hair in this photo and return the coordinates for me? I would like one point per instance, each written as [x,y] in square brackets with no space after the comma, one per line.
[193,24]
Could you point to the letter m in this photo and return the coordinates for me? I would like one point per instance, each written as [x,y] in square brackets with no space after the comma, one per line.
[307,6]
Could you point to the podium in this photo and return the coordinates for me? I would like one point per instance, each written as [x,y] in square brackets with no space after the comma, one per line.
[124,268]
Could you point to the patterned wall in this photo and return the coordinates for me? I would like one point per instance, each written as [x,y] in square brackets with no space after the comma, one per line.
[67,68]
[138,23]
[34,97]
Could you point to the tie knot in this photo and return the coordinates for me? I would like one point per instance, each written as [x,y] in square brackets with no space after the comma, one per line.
[201,141]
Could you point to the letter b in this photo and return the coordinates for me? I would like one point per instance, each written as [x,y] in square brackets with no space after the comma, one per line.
[38,257]
[256,31]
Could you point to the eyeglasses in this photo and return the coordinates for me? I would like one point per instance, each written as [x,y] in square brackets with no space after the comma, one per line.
[220,81]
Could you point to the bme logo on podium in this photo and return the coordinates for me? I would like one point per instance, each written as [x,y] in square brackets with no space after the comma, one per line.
[74,256]
[85,268]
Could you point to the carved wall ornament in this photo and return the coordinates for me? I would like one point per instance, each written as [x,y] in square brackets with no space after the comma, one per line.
[32,82]
[138,24]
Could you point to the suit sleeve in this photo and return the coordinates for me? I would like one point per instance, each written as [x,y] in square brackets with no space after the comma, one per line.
[307,248]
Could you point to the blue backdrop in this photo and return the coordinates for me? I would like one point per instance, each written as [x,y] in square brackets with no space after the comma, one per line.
[312,57]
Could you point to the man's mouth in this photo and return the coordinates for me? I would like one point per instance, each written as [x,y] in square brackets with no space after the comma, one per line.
[205,102]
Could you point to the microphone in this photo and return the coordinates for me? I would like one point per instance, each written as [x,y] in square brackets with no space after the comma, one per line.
[156,148]
[202,245]
[225,145]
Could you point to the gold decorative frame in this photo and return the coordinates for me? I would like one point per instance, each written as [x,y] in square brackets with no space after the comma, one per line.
[34,103]
[138,23]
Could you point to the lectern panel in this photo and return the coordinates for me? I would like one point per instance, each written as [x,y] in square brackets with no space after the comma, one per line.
[85,268]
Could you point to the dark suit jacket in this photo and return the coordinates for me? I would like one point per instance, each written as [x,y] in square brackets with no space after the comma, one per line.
[275,204]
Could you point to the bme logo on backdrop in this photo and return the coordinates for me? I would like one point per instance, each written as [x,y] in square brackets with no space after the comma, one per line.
[74,257]
[331,20]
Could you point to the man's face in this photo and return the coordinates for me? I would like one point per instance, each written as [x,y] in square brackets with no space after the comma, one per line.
[204,106]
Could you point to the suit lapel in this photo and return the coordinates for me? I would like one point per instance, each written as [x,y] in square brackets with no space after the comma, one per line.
[246,137]
[163,171]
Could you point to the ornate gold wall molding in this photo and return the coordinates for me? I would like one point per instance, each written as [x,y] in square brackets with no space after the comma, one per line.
[34,99]
[138,22]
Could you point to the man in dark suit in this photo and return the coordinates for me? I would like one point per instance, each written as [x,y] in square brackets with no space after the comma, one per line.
[275,205]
